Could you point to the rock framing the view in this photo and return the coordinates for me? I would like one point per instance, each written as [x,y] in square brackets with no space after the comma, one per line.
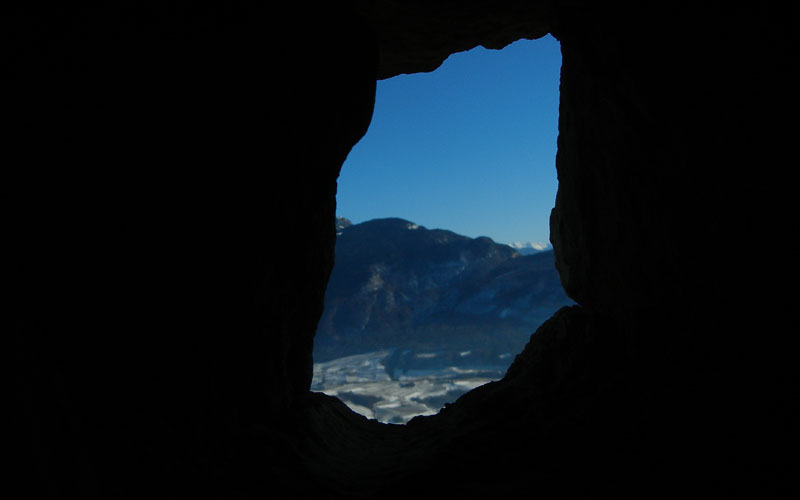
[172,171]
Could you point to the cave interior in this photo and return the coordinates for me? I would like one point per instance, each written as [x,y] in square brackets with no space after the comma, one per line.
[170,174]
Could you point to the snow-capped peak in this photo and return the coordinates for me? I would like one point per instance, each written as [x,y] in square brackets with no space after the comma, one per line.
[341,224]
[530,247]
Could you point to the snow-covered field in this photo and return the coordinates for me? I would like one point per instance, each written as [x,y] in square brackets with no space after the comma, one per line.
[362,382]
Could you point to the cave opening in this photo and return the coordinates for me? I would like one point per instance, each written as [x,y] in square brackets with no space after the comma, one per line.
[443,262]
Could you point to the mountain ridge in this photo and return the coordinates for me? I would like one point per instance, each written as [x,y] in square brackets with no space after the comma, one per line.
[397,284]
[530,247]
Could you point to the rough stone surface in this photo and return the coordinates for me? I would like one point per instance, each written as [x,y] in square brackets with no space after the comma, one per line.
[162,341]
[416,36]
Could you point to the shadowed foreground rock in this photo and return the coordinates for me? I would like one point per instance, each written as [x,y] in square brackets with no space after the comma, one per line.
[162,339]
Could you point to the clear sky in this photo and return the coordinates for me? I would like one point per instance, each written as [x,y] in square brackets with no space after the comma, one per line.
[469,147]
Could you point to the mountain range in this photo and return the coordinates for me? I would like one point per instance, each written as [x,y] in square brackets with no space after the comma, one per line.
[397,285]
[530,247]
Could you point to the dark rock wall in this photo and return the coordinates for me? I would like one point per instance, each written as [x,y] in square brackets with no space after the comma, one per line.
[658,140]
[416,36]
[170,181]
[170,172]
[666,115]
[661,133]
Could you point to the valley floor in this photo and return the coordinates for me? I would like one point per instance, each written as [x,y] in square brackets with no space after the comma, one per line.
[364,384]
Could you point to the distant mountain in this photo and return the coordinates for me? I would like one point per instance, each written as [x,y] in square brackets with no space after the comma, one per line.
[400,286]
[342,223]
[530,247]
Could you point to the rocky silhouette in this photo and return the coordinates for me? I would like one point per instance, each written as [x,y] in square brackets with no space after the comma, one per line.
[160,156]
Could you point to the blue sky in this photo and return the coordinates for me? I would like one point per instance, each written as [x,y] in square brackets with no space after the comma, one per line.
[469,147]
